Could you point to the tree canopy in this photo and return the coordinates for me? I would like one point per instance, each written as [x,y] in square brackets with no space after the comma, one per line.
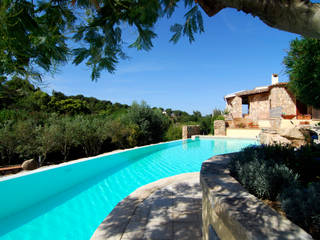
[38,36]
[303,66]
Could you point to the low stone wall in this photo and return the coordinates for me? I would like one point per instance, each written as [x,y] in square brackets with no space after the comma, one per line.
[189,130]
[230,212]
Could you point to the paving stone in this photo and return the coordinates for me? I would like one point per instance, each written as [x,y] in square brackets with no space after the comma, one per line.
[157,231]
[171,211]
[187,231]
[134,230]
[187,217]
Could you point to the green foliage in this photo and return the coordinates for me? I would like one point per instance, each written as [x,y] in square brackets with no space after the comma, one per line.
[193,24]
[174,132]
[264,179]
[206,125]
[68,106]
[34,34]
[303,66]
[8,142]
[90,132]
[152,124]
[66,135]
[46,140]
[57,128]
[284,174]
[122,134]
[301,205]
[305,161]
[26,133]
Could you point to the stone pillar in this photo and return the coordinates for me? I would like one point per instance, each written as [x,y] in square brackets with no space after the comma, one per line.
[219,128]
[236,107]
[189,130]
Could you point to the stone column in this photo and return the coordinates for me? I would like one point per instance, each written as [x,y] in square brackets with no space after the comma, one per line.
[219,128]
[189,130]
[236,111]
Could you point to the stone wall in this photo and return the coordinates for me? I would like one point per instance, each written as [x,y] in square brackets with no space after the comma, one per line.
[234,107]
[230,212]
[259,106]
[189,130]
[219,128]
[280,97]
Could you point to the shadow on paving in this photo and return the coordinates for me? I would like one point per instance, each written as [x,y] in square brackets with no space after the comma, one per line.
[173,212]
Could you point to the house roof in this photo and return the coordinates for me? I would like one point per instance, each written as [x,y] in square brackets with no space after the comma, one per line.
[257,90]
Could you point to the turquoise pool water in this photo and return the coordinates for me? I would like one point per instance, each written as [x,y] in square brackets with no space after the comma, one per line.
[69,202]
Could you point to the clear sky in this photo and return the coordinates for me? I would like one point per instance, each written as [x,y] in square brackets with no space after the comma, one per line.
[235,52]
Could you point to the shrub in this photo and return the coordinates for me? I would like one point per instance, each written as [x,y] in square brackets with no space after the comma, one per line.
[152,124]
[306,163]
[66,137]
[90,132]
[301,205]
[8,142]
[123,135]
[174,132]
[272,172]
[206,125]
[46,140]
[26,134]
[264,179]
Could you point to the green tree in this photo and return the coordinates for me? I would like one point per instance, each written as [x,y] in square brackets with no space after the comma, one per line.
[66,135]
[8,142]
[152,123]
[14,90]
[91,132]
[174,132]
[303,66]
[206,125]
[69,106]
[46,141]
[26,134]
[34,34]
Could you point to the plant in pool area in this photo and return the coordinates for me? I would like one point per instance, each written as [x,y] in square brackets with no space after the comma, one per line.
[264,179]
[301,205]
[284,174]
[174,132]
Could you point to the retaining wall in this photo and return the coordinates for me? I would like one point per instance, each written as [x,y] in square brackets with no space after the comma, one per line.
[230,212]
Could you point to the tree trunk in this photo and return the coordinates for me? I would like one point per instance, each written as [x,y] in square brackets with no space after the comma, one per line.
[296,16]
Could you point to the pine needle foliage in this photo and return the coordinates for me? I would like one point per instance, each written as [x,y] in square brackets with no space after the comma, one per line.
[303,66]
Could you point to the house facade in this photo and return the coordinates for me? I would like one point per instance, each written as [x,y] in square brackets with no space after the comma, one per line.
[268,102]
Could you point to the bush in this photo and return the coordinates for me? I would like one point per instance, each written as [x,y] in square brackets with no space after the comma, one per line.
[66,137]
[301,205]
[264,179]
[206,125]
[8,143]
[152,124]
[123,135]
[174,132]
[90,132]
[272,172]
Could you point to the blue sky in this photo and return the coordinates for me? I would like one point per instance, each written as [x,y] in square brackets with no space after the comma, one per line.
[235,52]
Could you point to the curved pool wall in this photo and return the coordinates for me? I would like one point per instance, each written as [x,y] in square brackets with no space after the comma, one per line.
[70,200]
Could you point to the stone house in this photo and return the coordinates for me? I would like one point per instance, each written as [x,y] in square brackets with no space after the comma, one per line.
[268,102]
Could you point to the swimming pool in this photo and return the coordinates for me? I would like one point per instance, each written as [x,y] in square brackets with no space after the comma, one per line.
[70,201]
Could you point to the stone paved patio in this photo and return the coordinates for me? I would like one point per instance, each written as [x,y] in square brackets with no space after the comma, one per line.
[166,209]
